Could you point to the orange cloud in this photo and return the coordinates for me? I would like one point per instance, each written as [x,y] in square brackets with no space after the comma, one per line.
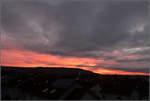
[26,58]
[32,59]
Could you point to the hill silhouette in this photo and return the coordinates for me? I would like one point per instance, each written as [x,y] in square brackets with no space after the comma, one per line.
[42,83]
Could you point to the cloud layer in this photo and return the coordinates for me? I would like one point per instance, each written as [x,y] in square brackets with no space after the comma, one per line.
[109,30]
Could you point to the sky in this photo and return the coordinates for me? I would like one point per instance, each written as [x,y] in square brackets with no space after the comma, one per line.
[103,36]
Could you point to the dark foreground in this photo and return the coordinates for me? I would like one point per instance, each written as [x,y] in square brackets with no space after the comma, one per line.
[70,84]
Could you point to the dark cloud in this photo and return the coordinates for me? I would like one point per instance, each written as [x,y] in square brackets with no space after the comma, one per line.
[145,59]
[71,27]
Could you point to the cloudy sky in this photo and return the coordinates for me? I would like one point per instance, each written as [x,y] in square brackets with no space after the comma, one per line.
[104,36]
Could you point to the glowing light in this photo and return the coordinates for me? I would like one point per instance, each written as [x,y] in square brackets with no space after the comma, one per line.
[92,64]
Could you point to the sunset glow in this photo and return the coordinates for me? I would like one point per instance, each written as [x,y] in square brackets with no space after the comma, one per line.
[31,59]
